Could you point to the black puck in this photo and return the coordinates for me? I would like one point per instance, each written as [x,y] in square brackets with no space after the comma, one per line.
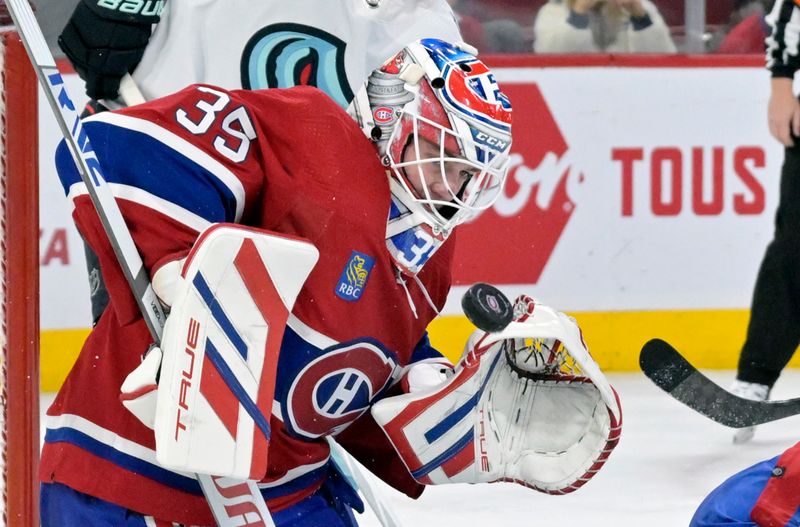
[487,307]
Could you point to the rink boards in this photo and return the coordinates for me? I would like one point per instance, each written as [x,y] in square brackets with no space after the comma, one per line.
[640,199]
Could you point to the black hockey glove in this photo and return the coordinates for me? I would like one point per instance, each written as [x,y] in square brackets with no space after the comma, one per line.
[105,39]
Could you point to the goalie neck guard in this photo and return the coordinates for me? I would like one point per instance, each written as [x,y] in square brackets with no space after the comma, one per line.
[443,129]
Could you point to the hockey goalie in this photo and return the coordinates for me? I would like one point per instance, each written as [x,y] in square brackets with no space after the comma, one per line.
[527,405]
[311,316]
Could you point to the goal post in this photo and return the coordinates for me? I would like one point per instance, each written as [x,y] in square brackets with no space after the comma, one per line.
[19,268]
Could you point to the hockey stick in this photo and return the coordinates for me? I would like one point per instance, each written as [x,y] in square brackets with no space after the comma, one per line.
[345,463]
[230,501]
[130,94]
[663,365]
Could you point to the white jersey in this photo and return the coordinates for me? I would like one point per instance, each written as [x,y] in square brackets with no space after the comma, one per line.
[331,44]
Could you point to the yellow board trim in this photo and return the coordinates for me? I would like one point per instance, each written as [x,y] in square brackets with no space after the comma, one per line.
[708,338]
[59,350]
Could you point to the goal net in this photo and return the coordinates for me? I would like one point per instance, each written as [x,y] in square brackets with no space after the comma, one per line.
[19,270]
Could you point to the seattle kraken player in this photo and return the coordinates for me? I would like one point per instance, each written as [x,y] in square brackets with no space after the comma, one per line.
[330,44]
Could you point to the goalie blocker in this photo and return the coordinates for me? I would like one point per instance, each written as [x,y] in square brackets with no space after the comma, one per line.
[230,300]
[527,405]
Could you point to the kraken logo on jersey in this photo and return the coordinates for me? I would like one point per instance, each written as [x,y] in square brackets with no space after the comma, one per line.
[285,55]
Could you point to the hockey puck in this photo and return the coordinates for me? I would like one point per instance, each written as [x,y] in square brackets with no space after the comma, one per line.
[487,307]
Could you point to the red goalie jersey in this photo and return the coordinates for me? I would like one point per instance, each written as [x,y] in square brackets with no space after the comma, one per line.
[289,161]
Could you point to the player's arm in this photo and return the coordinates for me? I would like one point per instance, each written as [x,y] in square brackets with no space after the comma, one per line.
[105,39]
[783,60]
[176,165]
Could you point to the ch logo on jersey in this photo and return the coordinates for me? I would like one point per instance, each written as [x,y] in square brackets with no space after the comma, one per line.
[286,55]
[335,389]
[354,276]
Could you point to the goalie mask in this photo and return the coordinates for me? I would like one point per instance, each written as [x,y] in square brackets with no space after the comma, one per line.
[443,129]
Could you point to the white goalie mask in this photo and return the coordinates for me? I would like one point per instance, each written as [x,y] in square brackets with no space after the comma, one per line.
[443,129]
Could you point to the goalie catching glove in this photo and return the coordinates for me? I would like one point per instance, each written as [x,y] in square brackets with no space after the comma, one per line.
[527,405]
[230,300]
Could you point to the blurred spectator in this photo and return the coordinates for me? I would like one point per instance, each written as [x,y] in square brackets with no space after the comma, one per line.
[471,29]
[610,26]
[747,29]
[505,36]
[52,16]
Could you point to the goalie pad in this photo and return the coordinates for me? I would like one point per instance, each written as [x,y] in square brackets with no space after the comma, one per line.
[527,405]
[220,350]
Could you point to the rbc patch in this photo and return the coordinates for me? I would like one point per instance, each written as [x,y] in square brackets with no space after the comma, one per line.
[354,276]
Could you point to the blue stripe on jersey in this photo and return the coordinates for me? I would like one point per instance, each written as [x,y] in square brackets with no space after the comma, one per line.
[126,461]
[424,350]
[136,159]
[61,505]
[732,502]
[297,484]
[164,476]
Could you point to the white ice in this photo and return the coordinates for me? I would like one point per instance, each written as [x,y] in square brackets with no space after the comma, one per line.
[669,458]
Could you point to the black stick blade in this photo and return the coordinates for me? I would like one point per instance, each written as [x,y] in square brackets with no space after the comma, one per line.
[668,370]
[664,365]
[487,307]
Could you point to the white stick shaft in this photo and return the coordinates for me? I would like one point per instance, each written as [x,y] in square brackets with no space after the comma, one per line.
[86,161]
[129,91]
[228,502]
[377,502]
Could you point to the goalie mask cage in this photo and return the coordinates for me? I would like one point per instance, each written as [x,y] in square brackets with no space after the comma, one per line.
[19,269]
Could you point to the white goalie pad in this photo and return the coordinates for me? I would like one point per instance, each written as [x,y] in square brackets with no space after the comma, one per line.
[220,346]
[527,405]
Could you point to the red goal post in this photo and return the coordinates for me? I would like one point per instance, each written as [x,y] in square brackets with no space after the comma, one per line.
[19,269]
